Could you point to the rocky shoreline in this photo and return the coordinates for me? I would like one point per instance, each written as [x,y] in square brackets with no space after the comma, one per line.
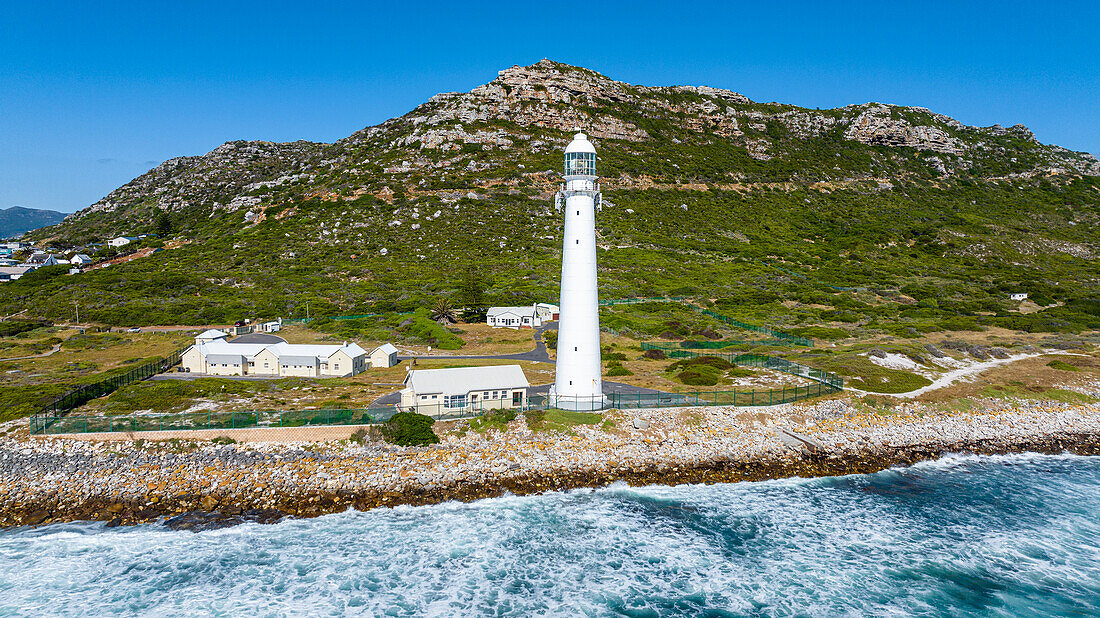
[207,485]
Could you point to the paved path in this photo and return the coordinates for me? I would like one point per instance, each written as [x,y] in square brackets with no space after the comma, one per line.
[56,348]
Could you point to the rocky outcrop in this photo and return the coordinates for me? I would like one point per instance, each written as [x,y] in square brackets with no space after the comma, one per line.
[877,126]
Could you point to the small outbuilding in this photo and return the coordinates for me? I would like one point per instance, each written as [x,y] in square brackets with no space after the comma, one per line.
[1021,296]
[210,335]
[465,389]
[383,356]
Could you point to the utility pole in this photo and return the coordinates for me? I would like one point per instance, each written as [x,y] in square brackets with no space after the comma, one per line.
[77,305]
[307,311]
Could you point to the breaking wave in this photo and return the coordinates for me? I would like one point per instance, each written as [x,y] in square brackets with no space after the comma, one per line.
[1005,535]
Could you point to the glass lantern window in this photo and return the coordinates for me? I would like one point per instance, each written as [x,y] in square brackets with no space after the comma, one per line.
[580,164]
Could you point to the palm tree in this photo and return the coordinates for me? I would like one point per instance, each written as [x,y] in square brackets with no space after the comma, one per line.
[443,312]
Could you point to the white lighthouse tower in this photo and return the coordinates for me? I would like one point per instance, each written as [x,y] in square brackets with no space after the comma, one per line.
[577,385]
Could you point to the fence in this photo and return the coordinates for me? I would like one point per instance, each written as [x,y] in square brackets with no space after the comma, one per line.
[635,301]
[791,339]
[206,420]
[83,394]
[757,360]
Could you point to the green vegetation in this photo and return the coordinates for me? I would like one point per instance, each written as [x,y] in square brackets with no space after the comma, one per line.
[1019,390]
[493,419]
[1062,365]
[560,420]
[702,370]
[409,429]
[859,372]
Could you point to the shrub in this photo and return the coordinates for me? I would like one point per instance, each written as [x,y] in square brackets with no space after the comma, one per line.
[409,429]
[701,376]
[655,354]
[614,356]
[223,440]
[617,369]
[493,419]
[1061,364]
[550,338]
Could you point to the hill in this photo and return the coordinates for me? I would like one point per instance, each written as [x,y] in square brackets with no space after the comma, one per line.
[869,216]
[17,220]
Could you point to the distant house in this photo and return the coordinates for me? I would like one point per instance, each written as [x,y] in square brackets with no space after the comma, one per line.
[41,259]
[272,327]
[1018,296]
[464,389]
[11,273]
[121,241]
[8,262]
[383,356]
[513,317]
[81,260]
[220,357]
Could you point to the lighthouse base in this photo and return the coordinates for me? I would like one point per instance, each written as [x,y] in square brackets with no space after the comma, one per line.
[578,403]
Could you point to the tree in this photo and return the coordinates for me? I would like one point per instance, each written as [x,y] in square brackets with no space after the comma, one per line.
[164,224]
[471,295]
[443,312]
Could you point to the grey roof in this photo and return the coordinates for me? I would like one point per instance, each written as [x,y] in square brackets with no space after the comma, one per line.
[288,359]
[385,348]
[462,380]
[229,359]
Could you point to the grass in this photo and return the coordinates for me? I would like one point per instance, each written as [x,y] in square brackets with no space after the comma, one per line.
[1063,365]
[1019,390]
[560,420]
[493,419]
[859,372]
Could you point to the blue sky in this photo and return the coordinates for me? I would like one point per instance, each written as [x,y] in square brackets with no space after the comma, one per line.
[94,94]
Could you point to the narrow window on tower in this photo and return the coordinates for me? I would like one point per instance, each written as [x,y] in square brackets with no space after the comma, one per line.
[574,348]
[578,212]
[578,241]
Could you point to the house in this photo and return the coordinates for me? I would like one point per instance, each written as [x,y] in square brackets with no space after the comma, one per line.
[272,327]
[513,317]
[1018,296]
[8,262]
[383,356]
[41,259]
[465,389]
[11,273]
[221,357]
[81,260]
[121,241]
[547,312]
[210,335]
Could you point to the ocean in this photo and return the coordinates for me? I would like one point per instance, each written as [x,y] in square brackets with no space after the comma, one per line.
[1010,535]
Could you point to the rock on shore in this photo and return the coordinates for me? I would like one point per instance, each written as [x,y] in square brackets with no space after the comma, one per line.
[203,485]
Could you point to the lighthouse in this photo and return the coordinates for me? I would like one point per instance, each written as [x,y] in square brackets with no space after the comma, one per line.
[577,383]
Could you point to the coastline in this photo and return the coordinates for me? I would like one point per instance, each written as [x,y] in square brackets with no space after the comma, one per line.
[58,480]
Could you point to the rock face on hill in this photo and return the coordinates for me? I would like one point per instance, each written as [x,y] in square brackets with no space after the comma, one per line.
[529,111]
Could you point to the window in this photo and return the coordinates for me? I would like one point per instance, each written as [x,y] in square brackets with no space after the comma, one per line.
[578,212]
[578,241]
[337,367]
[575,349]
[455,401]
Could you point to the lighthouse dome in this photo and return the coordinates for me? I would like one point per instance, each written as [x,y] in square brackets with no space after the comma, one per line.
[580,157]
[580,143]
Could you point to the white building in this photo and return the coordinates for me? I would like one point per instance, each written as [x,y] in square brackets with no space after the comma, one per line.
[577,382]
[219,357]
[532,316]
[513,317]
[272,327]
[465,389]
[210,335]
[41,259]
[383,356]
[81,260]
[11,273]
[121,241]
[1018,296]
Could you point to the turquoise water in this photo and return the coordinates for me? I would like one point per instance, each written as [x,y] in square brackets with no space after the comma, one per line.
[1013,535]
